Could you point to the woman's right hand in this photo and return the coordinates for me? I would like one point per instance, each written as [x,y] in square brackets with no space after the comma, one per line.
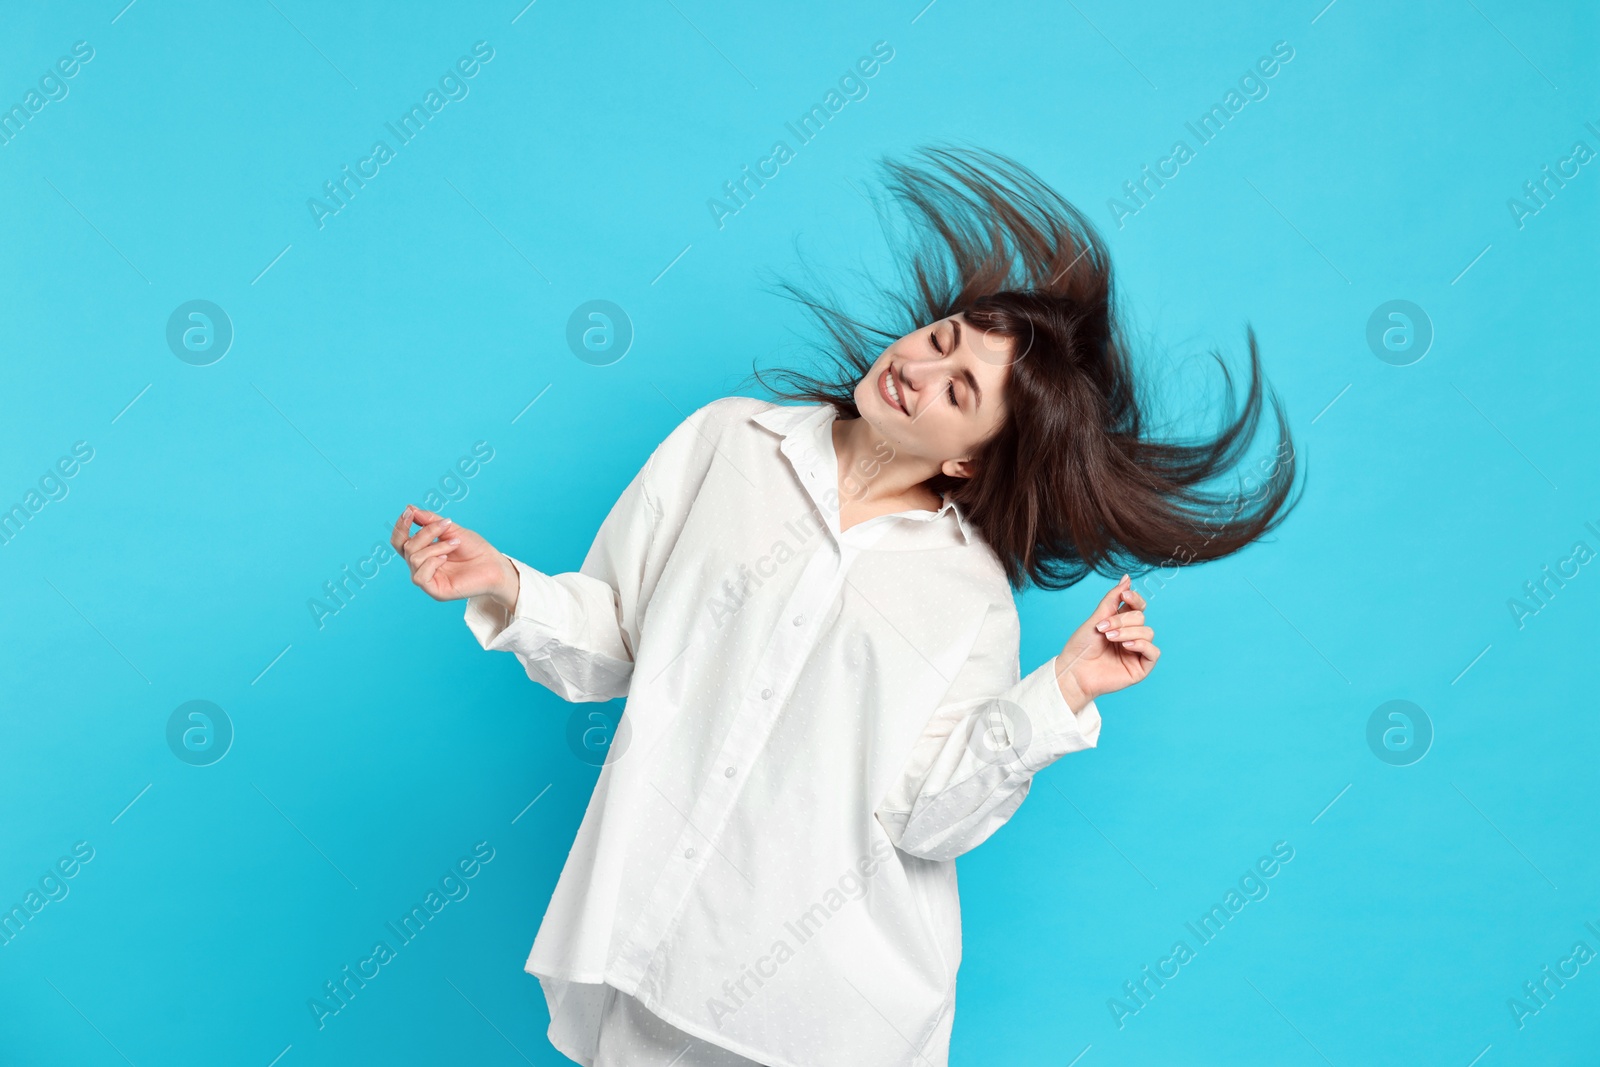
[450,562]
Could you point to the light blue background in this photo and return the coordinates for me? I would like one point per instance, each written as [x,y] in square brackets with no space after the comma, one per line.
[426,316]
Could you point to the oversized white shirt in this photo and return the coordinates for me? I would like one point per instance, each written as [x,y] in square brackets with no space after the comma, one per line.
[817,723]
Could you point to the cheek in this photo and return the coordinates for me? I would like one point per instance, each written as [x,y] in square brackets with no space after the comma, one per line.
[942,433]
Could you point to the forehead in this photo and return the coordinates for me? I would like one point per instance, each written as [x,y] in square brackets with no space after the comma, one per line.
[992,352]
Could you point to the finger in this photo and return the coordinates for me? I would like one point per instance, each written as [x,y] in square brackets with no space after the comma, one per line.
[1108,603]
[1133,598]
[412,515]
[1145,649]
[1119,621]
[1130,633]
[423,575]
[438,548]
[425,536]
[402,527]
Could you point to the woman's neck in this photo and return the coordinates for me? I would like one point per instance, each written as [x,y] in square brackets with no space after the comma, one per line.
[872,473]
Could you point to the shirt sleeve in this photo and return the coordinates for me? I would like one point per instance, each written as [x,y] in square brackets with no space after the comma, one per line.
[974,763]
[576,633]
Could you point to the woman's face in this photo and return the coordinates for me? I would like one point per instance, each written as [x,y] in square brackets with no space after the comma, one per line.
[939,393]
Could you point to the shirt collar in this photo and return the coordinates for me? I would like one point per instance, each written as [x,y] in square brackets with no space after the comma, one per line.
[807,430]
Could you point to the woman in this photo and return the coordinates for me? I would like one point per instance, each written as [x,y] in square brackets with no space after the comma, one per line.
[810,611]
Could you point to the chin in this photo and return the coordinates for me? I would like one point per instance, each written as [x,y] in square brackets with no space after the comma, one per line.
[869,405]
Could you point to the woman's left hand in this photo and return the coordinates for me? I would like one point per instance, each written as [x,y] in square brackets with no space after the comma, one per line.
[1112,650]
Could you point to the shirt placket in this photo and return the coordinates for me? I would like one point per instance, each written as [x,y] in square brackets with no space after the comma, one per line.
[764,698]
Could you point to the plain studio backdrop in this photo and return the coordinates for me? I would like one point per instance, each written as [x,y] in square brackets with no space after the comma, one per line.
[246,388]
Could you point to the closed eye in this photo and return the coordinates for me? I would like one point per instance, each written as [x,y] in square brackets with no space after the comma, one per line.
[950,389]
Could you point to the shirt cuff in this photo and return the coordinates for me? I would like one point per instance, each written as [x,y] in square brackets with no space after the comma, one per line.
[1055,728]
[537,615]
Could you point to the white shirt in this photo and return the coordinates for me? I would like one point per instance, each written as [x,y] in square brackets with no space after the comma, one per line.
[811,739]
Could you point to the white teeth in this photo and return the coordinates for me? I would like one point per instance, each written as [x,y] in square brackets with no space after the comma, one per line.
[888,377]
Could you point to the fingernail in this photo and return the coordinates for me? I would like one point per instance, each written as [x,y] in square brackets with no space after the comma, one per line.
[453,541]
[1112,633]
[447,522]
[1102,626]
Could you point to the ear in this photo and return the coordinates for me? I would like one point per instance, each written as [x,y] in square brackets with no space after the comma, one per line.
[957,468]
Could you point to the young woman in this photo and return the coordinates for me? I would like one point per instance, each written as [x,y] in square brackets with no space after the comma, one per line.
[809,609]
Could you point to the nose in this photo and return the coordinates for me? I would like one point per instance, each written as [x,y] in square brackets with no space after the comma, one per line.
[922,374]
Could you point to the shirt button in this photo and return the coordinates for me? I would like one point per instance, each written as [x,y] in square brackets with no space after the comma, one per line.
[799,620]
[766,694]
[728,773]
[688,853]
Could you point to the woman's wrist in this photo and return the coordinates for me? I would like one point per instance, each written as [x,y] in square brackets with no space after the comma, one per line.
[1075,695]
[506,591]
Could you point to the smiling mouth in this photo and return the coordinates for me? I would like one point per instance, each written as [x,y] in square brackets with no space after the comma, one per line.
[889,389]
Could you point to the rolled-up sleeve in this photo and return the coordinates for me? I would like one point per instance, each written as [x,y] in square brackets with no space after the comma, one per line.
[974,763]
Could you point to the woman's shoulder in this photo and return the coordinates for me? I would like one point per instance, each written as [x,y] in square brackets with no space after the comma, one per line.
[692,443]
[705,423]
[985,576]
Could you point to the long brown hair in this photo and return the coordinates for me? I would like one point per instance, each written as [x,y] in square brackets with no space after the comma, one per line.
[1071,483]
